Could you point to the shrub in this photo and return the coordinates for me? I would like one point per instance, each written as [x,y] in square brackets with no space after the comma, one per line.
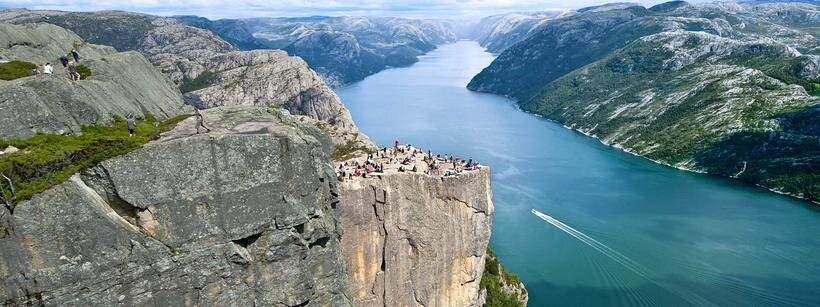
[46,160]
[205,79]
[15,69]
[84,71]
[494,279]
[347,150]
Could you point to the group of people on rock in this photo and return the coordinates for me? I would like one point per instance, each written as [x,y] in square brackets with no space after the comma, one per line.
[69,65]
[406,157]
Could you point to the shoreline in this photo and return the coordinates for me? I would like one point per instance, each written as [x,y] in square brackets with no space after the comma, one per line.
[681,168]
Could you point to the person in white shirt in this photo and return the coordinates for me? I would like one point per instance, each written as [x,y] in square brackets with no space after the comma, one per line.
[48,68]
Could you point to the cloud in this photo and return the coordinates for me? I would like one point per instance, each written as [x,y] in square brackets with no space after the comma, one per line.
[267,8]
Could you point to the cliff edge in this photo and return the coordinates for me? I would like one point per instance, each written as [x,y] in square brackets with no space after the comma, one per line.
[416,239]
[243,215]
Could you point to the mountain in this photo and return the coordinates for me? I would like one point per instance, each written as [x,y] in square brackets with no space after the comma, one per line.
[728,89]
[208,70]
[249,213]
[499,32]
[341,49]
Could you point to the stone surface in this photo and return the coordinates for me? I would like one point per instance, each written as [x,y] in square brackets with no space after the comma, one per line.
[121,83]
[244,215]
[184,53]
[271,77]
[416,240]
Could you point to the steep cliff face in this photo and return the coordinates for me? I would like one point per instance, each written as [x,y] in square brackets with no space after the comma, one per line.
[121,83]
[244,215]
[416,240]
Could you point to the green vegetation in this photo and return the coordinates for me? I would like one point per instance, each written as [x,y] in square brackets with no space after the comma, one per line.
[15,69]
[205,79]
[347,150]
[46,160]
[123,31]
[496,280]
[84,71]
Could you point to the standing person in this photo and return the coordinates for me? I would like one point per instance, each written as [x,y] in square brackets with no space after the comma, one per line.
[64,61]
[76,55]
[72,72]
[396,144]
[132,124]
[200,121]
[48,69]
[34,71]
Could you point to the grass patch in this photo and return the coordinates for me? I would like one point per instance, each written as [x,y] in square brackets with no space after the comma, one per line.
[15,69]
[816,90]
[205,79]
[495,279]
[46,160]
[84,71]
[347,150]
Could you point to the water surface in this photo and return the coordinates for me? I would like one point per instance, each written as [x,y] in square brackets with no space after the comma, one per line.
[669,237]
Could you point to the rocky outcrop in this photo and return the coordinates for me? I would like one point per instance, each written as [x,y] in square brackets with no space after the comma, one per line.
[413,239]
[121,83]
[187,55]
[244,215]
[272,78]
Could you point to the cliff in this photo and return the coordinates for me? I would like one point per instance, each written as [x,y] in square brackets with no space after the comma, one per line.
[197,60]
[412,238]
[120,83]
[244,215]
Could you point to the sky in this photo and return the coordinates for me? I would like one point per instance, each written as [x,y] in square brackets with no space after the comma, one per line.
[288,8]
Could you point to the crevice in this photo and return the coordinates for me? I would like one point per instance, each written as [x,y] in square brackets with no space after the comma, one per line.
[247,241]
[319,242]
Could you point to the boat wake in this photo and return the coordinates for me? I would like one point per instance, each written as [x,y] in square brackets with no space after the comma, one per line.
[623,260]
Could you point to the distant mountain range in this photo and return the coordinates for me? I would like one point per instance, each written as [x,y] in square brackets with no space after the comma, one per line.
[729,88]
[341,49]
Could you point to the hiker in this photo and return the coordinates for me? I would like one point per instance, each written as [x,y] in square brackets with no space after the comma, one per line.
[396,144]
[48,69]
[414,168]
[64,61]
[200,121]
[72,72]
[132,124]
[34,71]
[75,55]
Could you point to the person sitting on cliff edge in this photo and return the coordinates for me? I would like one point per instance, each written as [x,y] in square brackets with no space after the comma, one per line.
[200,121]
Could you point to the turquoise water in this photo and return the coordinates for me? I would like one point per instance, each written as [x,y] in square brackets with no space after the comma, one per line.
[659,236]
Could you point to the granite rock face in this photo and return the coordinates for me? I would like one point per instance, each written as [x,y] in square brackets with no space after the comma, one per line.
[416,240]
[272,78]
[244,215]
[121,83]
[185,53]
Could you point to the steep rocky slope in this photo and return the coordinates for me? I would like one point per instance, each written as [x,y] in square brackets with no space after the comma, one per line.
[121,83]
[341,49]
[197,59]
[725,89]
[415,239]
[244,215]
[499,32]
